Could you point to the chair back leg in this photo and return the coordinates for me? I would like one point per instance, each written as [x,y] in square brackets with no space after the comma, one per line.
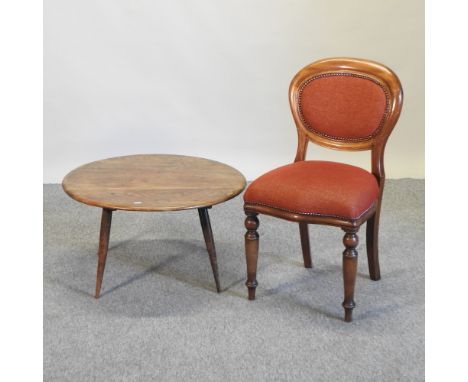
[372,245]
[305,244]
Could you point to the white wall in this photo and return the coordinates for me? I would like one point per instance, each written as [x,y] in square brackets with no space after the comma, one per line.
[210,78]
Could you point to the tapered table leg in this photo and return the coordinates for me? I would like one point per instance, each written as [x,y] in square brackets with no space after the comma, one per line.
[106,220]
[209,241]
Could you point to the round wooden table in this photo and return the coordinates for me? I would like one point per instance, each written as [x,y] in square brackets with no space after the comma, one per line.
[153,183]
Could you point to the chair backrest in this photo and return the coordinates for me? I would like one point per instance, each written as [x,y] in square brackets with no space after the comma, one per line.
[346,104]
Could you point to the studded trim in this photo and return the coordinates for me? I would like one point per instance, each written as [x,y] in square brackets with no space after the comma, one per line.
[382,121]
[314,213]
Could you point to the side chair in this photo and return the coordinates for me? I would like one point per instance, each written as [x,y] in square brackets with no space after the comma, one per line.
[344,104]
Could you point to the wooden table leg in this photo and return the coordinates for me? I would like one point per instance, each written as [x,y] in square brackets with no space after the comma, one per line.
[209,241]
[106,220]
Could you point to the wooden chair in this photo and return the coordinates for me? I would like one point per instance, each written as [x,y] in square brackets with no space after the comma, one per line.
[345,104]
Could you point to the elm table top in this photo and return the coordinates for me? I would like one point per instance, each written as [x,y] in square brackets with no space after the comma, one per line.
[153,183]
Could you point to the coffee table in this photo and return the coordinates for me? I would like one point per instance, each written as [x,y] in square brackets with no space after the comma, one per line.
[153,183]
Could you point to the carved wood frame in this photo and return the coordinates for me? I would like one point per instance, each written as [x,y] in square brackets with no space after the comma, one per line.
[375,142]
[380,74]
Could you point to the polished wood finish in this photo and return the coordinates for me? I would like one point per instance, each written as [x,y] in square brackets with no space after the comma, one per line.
[251,251]
[309,219]
[372,246]
[305,244]
[350,255]
[380,73]
[376,143]
[210,245]
[153,183]
[106,220]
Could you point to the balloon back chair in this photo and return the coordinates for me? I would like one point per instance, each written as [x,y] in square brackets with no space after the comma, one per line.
[339,103]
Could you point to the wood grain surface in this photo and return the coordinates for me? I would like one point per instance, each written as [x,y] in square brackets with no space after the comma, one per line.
[153,183]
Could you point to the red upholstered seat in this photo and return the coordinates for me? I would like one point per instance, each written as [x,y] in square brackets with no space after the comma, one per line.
[316,188]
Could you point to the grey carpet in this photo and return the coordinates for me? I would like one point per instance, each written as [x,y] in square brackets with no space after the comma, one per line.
[159,318]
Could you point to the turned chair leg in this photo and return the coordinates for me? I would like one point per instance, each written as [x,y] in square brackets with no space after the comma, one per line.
[372,245]
[106,220]
[350,256]
[210,245]
[251,252]
[305,244]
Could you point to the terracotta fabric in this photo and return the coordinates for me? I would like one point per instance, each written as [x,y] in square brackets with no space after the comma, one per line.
[316,188]
[343,106]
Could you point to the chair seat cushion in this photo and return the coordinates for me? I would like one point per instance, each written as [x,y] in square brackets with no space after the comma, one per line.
[317,188]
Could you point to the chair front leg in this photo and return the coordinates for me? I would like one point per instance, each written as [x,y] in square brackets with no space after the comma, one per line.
[251,252]
[350,256]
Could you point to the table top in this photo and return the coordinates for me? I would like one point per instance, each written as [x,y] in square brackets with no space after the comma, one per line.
[153,183]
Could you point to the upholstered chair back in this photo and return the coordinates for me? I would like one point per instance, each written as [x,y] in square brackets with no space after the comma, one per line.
[346,103]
